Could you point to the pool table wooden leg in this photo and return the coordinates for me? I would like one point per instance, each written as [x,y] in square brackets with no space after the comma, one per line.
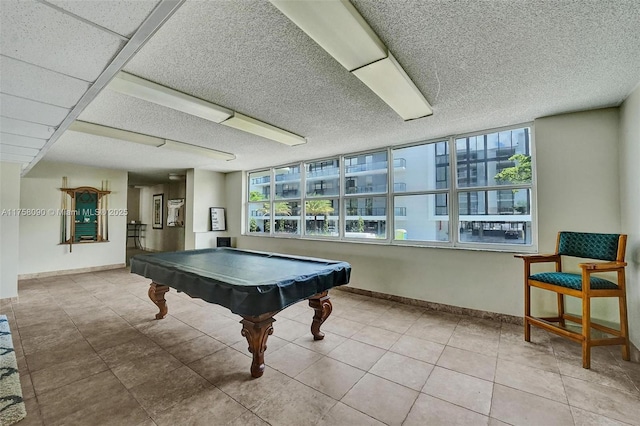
[156,294]
[322,307]
[257,330]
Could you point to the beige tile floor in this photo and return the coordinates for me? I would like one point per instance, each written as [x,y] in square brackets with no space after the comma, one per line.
[90,353]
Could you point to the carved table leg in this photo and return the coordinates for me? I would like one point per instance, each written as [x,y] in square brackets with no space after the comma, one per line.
[156,294]
[322,307]
[257,330]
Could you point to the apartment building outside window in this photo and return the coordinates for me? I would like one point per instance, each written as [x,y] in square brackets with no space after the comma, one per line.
[471,190]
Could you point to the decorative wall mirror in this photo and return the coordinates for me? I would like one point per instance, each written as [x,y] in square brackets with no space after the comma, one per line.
[84,218]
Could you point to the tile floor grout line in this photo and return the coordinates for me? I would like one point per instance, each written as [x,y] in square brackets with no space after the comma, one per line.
[501,339]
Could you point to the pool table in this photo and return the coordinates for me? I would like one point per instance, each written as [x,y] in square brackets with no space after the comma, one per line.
[255,285]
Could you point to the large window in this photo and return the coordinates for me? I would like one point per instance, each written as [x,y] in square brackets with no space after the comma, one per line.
[421,185]
[365,214]
[322,205]
[494,181]
[259,208]
[463,191]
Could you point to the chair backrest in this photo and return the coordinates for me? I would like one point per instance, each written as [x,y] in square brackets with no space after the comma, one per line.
[592,246]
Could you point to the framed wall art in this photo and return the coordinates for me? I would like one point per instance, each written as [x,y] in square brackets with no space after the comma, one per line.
[158,202]
[217,219]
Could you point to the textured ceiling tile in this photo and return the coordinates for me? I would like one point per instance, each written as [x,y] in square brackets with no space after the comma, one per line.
[24,128]
[11,158]
[17,150]
[481,65]
[23,141]
[39,34]
[122,17]
[32,82]
[135,157]
[249,57]
[32,111]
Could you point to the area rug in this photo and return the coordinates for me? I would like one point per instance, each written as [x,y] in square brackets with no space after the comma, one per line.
[12,407]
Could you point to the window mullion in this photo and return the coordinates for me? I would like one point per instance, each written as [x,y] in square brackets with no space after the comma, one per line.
[453,195]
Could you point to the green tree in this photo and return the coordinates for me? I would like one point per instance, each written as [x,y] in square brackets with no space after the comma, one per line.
[520,173]
[360,224]
[253,225]
[280,209]
[318,208]
[255,196]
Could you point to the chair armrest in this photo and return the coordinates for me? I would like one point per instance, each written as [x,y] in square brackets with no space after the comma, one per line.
[602,266]
[538,258]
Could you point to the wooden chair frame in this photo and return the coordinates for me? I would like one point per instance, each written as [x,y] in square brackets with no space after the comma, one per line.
[586,293]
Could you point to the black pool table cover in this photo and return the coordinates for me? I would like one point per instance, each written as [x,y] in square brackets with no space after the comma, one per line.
[249,283]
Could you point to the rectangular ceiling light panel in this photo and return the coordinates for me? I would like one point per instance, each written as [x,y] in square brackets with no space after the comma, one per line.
[198,150]
[391,83]
[125,135]
[259,128]
[110,132]
[140,88]
[338,28]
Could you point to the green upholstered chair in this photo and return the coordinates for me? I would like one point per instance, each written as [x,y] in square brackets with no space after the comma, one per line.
[608,250]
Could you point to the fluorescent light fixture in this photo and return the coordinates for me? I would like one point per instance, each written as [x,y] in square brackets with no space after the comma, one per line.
[140,88]
[197,150]
[259,128]
[339,29]
[111,132]
[125,135]
[389,81]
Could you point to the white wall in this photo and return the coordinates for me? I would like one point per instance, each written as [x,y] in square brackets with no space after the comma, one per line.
[40,248]
[578,187]
[208,190]
[577,159]
[9,223]
[630,204]
[577,172]
[167,238]
[133,204]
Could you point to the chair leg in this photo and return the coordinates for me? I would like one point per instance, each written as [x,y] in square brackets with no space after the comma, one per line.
[586,332]
[624,327]
[561,309]
[527,310]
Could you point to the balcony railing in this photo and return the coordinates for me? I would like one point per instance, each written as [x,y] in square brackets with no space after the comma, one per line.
[400,187]
[373,211]
[399,163]
[399,211]
[260,180]
[332,171]
[379,165]
[288,193]
[288,177]
[333,192]
[366,189]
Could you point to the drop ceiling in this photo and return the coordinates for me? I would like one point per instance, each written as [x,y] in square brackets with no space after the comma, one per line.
[480,65]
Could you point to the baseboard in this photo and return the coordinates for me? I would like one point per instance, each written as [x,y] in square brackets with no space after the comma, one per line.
[436,306]
[70,271]
[635,352]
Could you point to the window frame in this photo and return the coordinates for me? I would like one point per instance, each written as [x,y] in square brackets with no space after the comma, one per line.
[531,187]
[434,191]
[344,197]
[452,192]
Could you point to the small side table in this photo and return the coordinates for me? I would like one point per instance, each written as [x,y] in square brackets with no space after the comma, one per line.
[135,231]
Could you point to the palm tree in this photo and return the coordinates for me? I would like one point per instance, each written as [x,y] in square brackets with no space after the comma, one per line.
[318,208]
[279,209]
